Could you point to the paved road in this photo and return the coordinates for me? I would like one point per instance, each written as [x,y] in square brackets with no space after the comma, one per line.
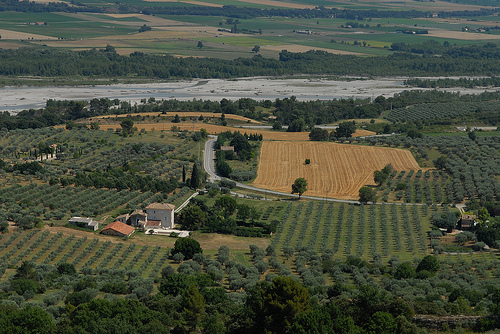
[208,159]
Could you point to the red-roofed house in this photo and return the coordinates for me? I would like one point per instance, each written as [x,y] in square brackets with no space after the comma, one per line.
[118,229]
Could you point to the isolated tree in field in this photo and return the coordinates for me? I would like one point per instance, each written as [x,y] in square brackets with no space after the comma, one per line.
[187,246]
[256,49]
[366,194]
[299,186]
[127,126]
[318,134]
[144,28]
[200,45]
[345,129]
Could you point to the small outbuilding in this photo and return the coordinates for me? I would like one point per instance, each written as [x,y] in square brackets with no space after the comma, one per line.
[118,229]
[85,223]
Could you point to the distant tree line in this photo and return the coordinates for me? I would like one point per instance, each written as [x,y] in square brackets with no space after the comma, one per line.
[453,60]
[447,82]
[234,11]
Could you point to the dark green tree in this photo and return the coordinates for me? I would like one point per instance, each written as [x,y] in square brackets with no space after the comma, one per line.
[281,302]
[227,204]
[440,163]
[318,134]
[195,177]
[188,247]
[345,129]
[404,271]
[367,194]
[127,126]
[429,263]
[193,305]
[199,45]
[192,217]
[299,186]
[297,125]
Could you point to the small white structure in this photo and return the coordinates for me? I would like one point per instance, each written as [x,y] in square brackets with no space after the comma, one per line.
[85,222]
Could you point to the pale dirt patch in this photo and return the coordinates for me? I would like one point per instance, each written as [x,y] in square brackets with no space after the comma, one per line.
[462,35]
[305,48]
[10,34]
[336,170]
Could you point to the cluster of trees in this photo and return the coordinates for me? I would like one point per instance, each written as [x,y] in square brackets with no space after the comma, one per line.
[225,216]
[344,130]
[26,168]
[447,82]
[244,150]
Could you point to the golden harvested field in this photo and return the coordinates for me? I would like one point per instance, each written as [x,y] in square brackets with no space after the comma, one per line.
[336,170]
[186,114]
[215,129]
[305,48]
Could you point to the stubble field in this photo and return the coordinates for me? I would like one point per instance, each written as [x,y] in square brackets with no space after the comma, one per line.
[336,170]
[216,129]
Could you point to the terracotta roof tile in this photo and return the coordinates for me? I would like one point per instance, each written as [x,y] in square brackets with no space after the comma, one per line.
[120,227]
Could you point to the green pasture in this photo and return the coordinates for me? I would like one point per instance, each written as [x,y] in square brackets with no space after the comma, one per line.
[244,41]
[19,18]
[75,29]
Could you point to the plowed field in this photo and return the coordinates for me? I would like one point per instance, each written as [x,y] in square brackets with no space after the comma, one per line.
[336,170]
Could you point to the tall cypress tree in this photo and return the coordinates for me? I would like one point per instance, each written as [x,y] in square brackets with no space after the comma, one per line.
[195,177]
[183,173]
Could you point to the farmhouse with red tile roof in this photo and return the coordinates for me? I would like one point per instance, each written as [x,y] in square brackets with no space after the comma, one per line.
[118,229]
